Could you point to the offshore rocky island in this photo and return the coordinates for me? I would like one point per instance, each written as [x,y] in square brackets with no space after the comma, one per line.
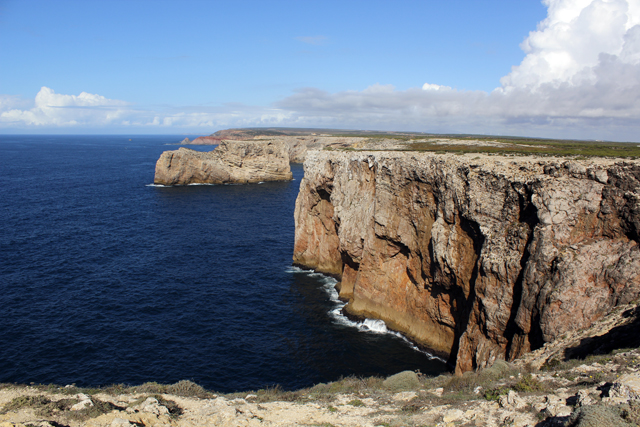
[514,259]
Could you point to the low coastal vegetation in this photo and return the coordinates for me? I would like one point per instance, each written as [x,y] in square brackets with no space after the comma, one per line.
[531,146]
[507,146]
[447,143]
[573,392]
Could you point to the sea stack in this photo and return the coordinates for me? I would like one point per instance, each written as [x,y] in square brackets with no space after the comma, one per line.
[231,162]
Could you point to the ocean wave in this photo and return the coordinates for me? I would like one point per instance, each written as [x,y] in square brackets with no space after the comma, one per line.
[373,326]
[170,186]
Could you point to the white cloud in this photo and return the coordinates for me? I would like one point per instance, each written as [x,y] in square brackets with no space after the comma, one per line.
[89,111]
[55,109]
[433,86]
[9,102]
[570,41]
[580,78]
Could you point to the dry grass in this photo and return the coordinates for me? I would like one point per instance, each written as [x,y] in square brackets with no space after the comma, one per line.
[506,145]
[45,407]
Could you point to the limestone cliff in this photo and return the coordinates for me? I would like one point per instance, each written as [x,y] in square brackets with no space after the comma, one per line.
[478,258]
[230,162]
[205,140]
[297,146]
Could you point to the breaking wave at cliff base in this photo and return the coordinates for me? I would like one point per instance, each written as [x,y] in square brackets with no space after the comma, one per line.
[372,326]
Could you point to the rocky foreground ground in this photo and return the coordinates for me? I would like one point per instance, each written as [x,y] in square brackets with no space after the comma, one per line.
[558,385]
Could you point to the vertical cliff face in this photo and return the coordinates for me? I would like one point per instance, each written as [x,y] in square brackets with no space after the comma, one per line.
[230,162]
[479,258]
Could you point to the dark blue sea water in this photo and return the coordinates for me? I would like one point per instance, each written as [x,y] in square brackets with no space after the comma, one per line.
[105,279]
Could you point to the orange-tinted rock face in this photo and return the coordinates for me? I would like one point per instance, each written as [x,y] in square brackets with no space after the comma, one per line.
[476,259]
[206,140]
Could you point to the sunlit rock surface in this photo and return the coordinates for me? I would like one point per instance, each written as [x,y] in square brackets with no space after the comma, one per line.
[476,257]
[230,162]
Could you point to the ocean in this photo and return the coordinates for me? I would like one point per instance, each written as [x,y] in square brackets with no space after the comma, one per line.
[106,279]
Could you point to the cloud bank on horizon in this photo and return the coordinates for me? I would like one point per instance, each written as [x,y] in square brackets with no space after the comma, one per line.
[580,78]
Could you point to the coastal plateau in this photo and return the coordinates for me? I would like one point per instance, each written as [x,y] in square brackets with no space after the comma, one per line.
[476,257]
[229,162]
[299,142]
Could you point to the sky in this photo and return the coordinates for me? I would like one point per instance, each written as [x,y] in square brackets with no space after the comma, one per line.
[552,68]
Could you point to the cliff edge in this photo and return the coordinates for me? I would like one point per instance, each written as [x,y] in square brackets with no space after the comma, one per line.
[476,257]
[230,162]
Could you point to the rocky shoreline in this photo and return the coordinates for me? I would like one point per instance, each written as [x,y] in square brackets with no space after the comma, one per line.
[591,390]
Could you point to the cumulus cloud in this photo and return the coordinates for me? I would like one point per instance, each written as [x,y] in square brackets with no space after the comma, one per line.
[51,108]
[86,110]
[573,39]
[583,62]
[433,86]
[580,78]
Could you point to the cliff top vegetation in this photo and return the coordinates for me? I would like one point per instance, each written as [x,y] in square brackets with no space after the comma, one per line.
[444,143]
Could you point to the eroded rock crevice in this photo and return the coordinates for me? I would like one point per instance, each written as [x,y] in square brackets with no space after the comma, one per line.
[478,261]
[520,240]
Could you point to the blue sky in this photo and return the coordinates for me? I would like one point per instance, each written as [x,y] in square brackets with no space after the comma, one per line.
[558,68]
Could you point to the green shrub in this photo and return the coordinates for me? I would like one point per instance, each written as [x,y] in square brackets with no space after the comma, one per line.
[116,389]
[499,369]
[58,406]
[495,393]
[594,378]
[465,383]
[597,415]
[187,388]
[174,410]
[25,402]
[411,408]
[403,381]
[150,388]
[99,407]
[528,384]
[550,365]
[46,407]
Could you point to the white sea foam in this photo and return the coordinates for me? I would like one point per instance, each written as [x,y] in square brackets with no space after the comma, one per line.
[168,186]
[373,326]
